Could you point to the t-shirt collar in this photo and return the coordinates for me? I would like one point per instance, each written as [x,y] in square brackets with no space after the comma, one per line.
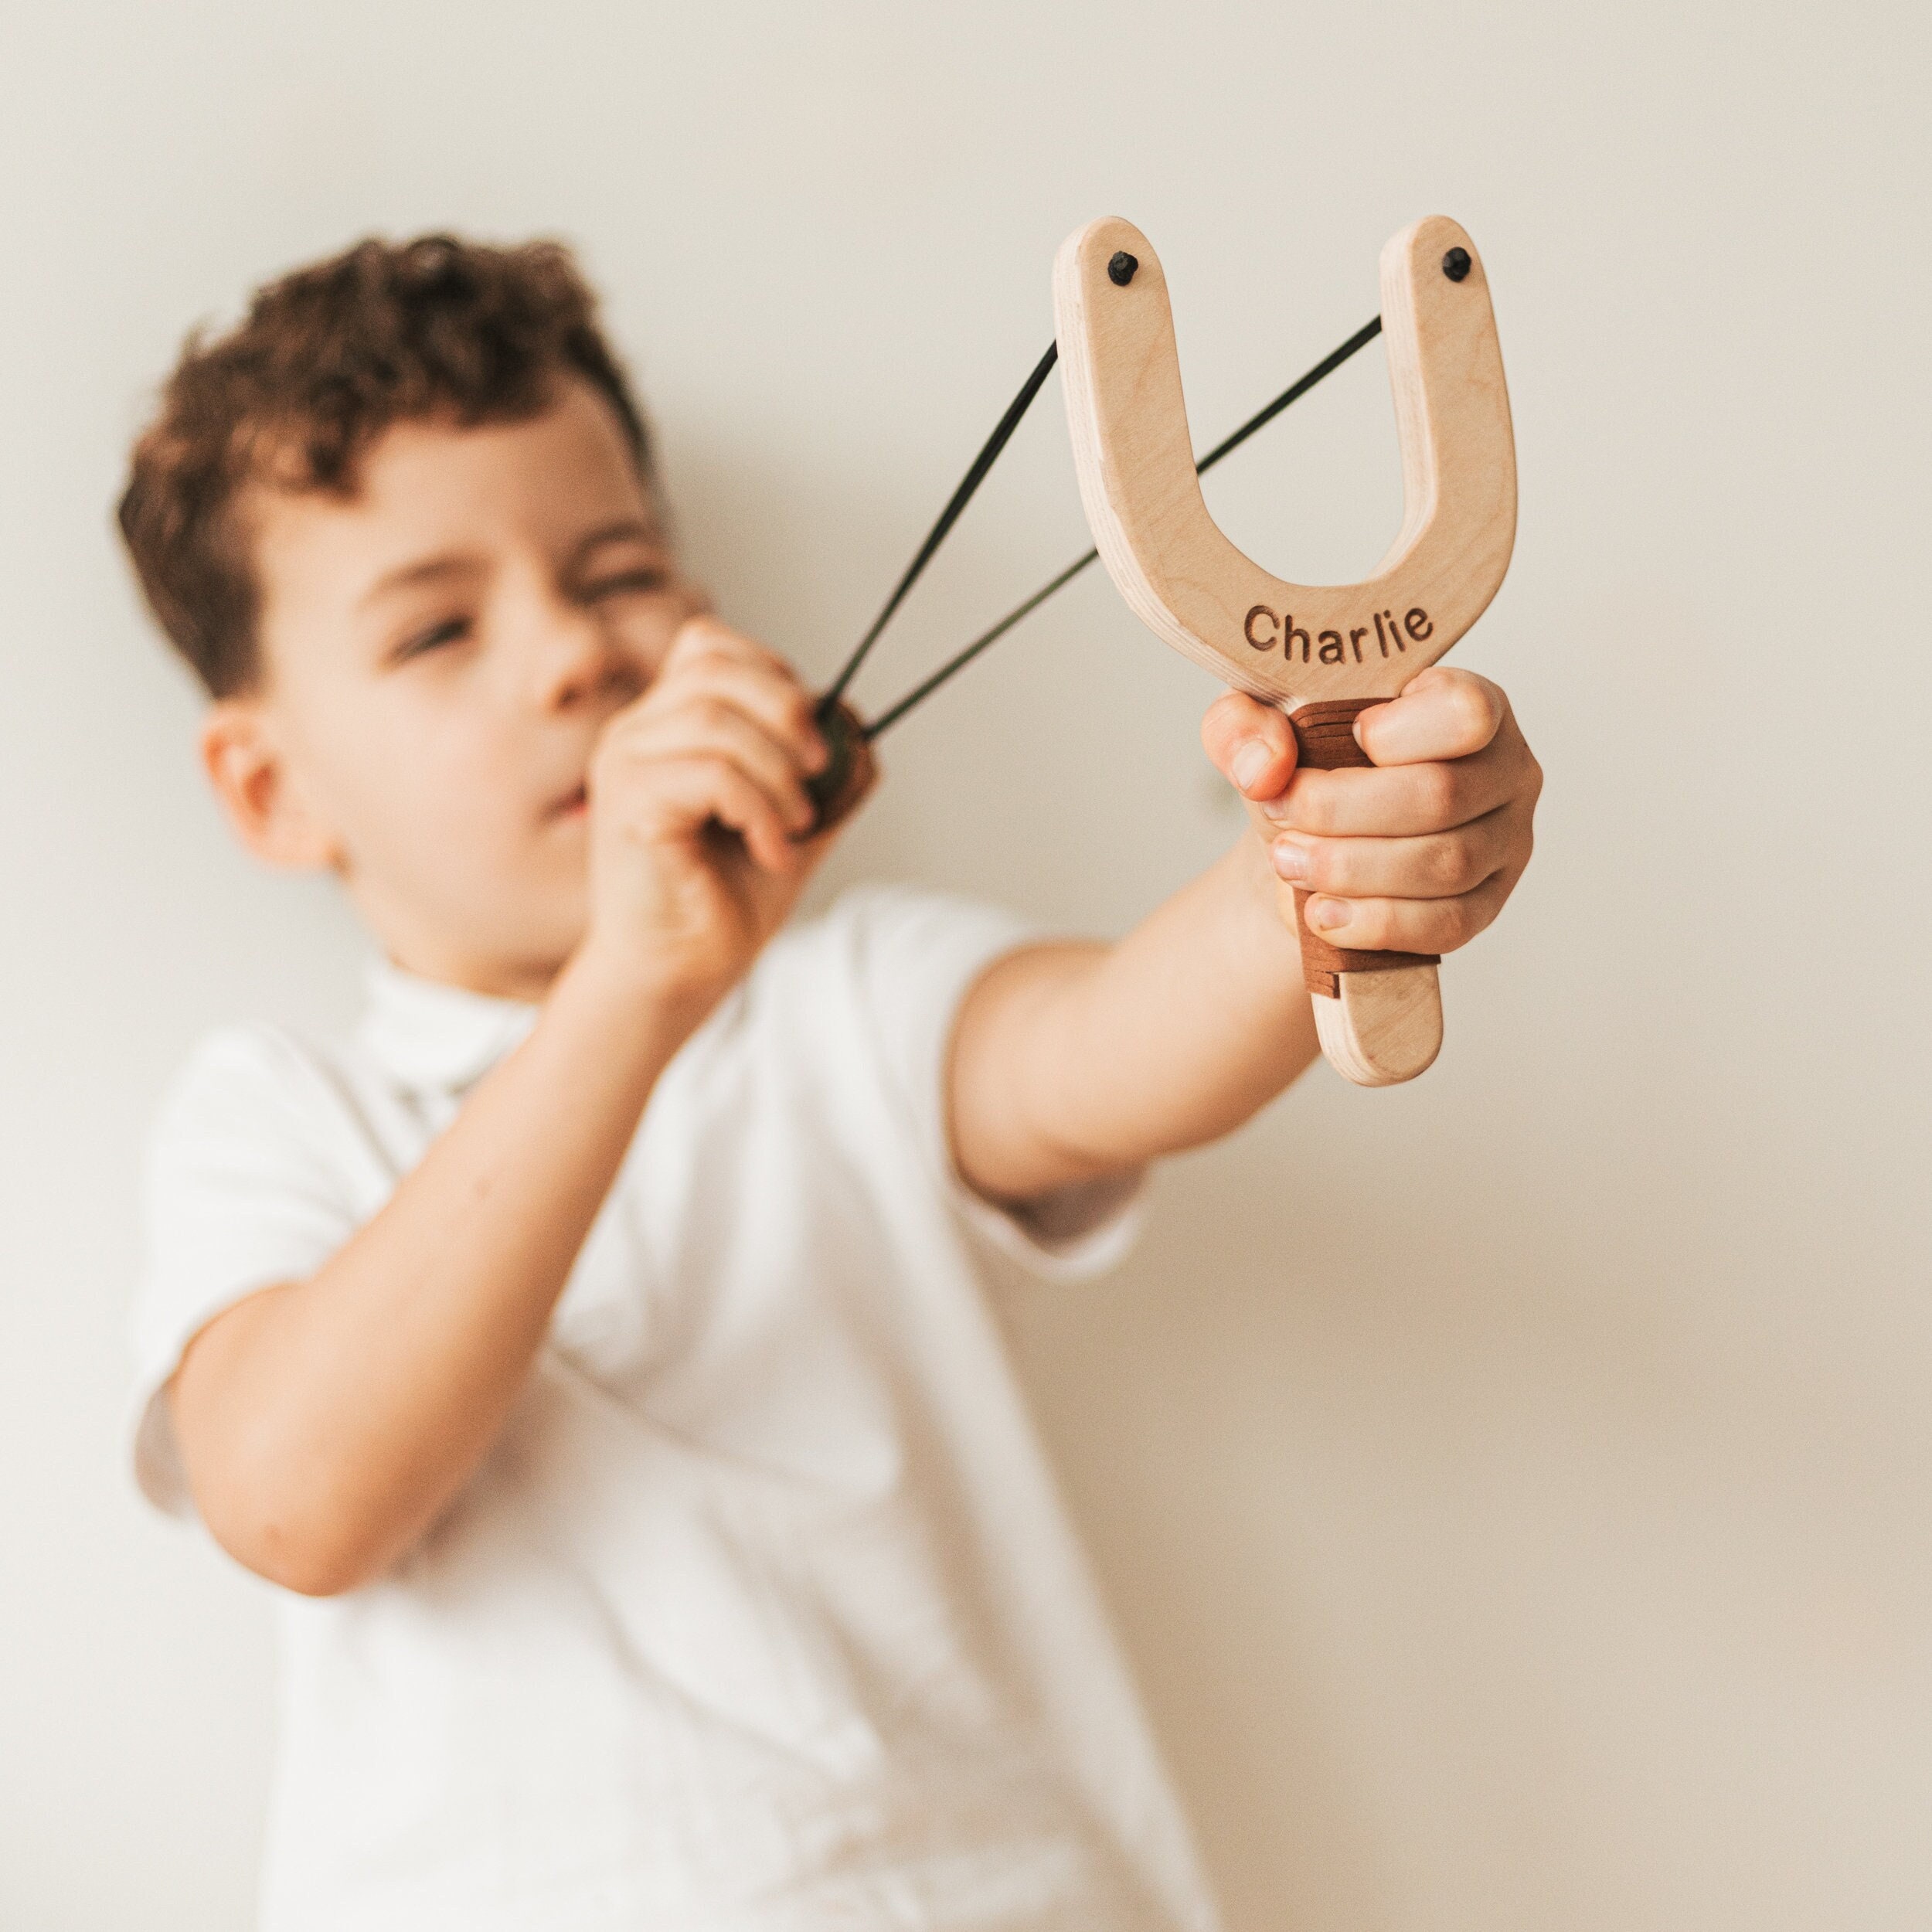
[433,1037]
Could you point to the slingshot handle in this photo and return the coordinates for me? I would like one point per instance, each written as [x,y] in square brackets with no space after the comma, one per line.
[1378,1014]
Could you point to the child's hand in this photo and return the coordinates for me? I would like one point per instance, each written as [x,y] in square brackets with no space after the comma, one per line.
[697,800]
[1416,856]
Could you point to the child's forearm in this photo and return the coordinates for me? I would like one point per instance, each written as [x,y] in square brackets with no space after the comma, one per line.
[1072,1061]
[325,1423]
[1112,1056]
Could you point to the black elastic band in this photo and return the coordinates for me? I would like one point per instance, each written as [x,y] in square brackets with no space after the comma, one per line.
[947,518]
[920,692]
[1294,392]
[960,659]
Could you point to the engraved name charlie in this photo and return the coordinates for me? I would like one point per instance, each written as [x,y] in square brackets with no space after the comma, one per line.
[1264,629]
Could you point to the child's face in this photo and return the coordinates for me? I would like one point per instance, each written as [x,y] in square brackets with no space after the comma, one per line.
[440,655]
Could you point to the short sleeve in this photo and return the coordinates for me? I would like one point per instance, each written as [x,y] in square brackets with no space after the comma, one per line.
[243,1188]
[918,955]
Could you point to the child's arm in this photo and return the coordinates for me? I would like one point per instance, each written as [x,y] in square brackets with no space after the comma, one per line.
[1071,1062]
[325,1423]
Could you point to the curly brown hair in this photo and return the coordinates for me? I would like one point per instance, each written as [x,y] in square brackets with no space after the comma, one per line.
[293,397]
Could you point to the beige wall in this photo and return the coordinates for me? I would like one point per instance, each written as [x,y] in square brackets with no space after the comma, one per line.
[1513,1488]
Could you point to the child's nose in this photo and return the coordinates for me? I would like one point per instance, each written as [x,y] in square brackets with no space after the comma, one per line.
[579,662]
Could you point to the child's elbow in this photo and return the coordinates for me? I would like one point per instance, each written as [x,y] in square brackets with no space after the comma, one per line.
[289,1516]
[314,1552]
[320,1573]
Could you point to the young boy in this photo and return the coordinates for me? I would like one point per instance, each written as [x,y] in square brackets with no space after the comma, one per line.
[593,1349]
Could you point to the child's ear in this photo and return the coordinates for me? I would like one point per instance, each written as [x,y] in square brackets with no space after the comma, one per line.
[259,796]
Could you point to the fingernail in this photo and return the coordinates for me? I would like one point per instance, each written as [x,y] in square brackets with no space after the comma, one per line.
[1249,762]
[1290,860]
[1325,914]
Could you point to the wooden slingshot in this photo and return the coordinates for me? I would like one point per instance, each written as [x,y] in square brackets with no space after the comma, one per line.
[1323,653]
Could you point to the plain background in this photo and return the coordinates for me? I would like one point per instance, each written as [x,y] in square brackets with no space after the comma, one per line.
[1513,1488]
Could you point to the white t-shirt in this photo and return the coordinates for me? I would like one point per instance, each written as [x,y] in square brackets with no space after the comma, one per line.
[762,1615]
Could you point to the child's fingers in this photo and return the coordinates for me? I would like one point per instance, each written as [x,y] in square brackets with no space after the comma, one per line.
[779,705]
[705,635]
[704,726]
[1408,925]
[1435,865]
[708,657]
[1250,743]
[1403,802]
[1444,713]
[683,794]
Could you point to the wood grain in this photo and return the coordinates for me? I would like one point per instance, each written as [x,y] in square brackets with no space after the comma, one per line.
[1385,1028]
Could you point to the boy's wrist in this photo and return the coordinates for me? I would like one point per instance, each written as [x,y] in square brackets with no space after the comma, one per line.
[630,1004]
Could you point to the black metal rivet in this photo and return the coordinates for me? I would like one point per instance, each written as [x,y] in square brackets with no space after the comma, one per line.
[1120,271]
[1456,264]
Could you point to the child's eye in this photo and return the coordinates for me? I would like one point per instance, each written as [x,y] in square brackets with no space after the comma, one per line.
[450,630]
[644,579]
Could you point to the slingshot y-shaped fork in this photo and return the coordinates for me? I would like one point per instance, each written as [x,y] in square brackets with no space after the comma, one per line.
[1323,653]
